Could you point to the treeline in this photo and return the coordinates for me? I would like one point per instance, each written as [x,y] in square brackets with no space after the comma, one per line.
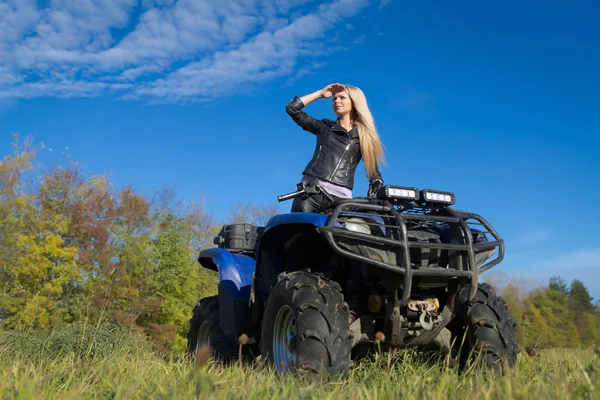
[556,315]
[72,248]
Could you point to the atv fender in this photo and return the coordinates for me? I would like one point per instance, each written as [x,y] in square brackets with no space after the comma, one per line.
[236,272]
[303,218]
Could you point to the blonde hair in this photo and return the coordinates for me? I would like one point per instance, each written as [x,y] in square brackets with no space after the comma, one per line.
[370,144]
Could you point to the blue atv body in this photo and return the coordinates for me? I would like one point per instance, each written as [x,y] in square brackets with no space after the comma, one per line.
[409,268]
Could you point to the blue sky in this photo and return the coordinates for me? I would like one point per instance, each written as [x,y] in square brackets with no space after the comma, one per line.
[498,102]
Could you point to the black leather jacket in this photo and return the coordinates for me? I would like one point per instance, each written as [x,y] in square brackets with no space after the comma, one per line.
[337,151]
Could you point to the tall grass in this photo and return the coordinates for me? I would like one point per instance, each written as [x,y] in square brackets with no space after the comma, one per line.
[83,361]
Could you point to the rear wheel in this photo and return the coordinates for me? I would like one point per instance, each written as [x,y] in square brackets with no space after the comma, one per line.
[306,325]
[484,333]
[205,330]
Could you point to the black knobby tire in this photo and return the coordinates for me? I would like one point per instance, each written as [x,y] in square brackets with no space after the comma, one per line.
[319,320]
[207,310]
[484,332]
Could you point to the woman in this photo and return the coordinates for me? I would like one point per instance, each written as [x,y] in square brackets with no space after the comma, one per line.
[341,144]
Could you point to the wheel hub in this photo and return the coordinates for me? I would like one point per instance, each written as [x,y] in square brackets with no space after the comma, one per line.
[203,335]
[284,340]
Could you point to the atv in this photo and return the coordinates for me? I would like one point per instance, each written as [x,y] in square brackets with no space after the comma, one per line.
[398,268]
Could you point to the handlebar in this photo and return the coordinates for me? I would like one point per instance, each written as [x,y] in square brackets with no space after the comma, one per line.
[290,196]
[305,188]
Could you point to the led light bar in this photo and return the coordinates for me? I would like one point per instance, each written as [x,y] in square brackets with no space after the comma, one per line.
[400,192]
[435,196]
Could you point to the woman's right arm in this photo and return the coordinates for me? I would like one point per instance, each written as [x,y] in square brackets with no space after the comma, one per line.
[295,106]
[309,98]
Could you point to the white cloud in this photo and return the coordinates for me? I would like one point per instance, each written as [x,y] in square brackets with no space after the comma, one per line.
[158,49]
[62,89]
[69,31]
[7,78]
[266,56]
[17,18]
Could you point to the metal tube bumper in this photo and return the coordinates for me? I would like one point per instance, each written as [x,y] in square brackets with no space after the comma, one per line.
[403,266]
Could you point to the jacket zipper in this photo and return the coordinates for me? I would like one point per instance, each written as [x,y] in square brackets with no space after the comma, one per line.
[338,164]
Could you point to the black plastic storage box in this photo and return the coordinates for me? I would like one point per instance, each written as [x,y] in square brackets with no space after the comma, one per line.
[240,237]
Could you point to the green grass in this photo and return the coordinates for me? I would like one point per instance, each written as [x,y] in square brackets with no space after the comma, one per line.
[82,361]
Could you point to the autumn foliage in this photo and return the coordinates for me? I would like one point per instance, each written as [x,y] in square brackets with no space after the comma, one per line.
[553,315]
[73,248]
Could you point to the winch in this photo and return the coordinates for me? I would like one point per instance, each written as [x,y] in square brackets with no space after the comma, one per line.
[426,312]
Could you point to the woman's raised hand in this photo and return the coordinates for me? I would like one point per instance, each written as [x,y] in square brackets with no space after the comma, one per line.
[332,89]
[326,92]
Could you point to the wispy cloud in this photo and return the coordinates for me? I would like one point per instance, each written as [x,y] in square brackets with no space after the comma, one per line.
[549,262]
[580,259]
[536,236]
[414,99]
[383,3]
[582,264]
[159,50]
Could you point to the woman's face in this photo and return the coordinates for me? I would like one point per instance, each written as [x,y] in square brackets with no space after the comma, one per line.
[342,104]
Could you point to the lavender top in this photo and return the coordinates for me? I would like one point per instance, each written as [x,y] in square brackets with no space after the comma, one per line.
[331,188]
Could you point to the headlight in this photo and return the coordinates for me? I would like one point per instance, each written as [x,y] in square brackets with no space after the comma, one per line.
[431,196]
[399,192]
[357,225]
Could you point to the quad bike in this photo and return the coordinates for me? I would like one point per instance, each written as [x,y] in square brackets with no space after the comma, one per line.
[399,268]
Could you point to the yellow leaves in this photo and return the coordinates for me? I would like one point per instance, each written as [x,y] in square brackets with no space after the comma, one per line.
[99,181]
[35,313]
[43,252]
[41,268]
[21,202]
[13,166]
[53,248]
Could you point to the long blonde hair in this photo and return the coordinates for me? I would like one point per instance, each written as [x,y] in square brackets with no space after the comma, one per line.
[370,144]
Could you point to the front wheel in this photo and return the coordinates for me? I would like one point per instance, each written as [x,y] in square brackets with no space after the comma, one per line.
[483,332]
[306,325]
[206,331]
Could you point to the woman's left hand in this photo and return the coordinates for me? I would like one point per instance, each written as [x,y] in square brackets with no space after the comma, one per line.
[374,189]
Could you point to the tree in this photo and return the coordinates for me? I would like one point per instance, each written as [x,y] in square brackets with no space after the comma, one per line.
[587,327]
[89,209]
[13,167]
[39,270]
[553,307]
[579,298]
[122,294]
[252,214]
[174,280]
[37,267]
[534,330]
[558,284]
[202,227]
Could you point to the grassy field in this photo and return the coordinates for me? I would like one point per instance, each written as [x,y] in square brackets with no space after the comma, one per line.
[91,362]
